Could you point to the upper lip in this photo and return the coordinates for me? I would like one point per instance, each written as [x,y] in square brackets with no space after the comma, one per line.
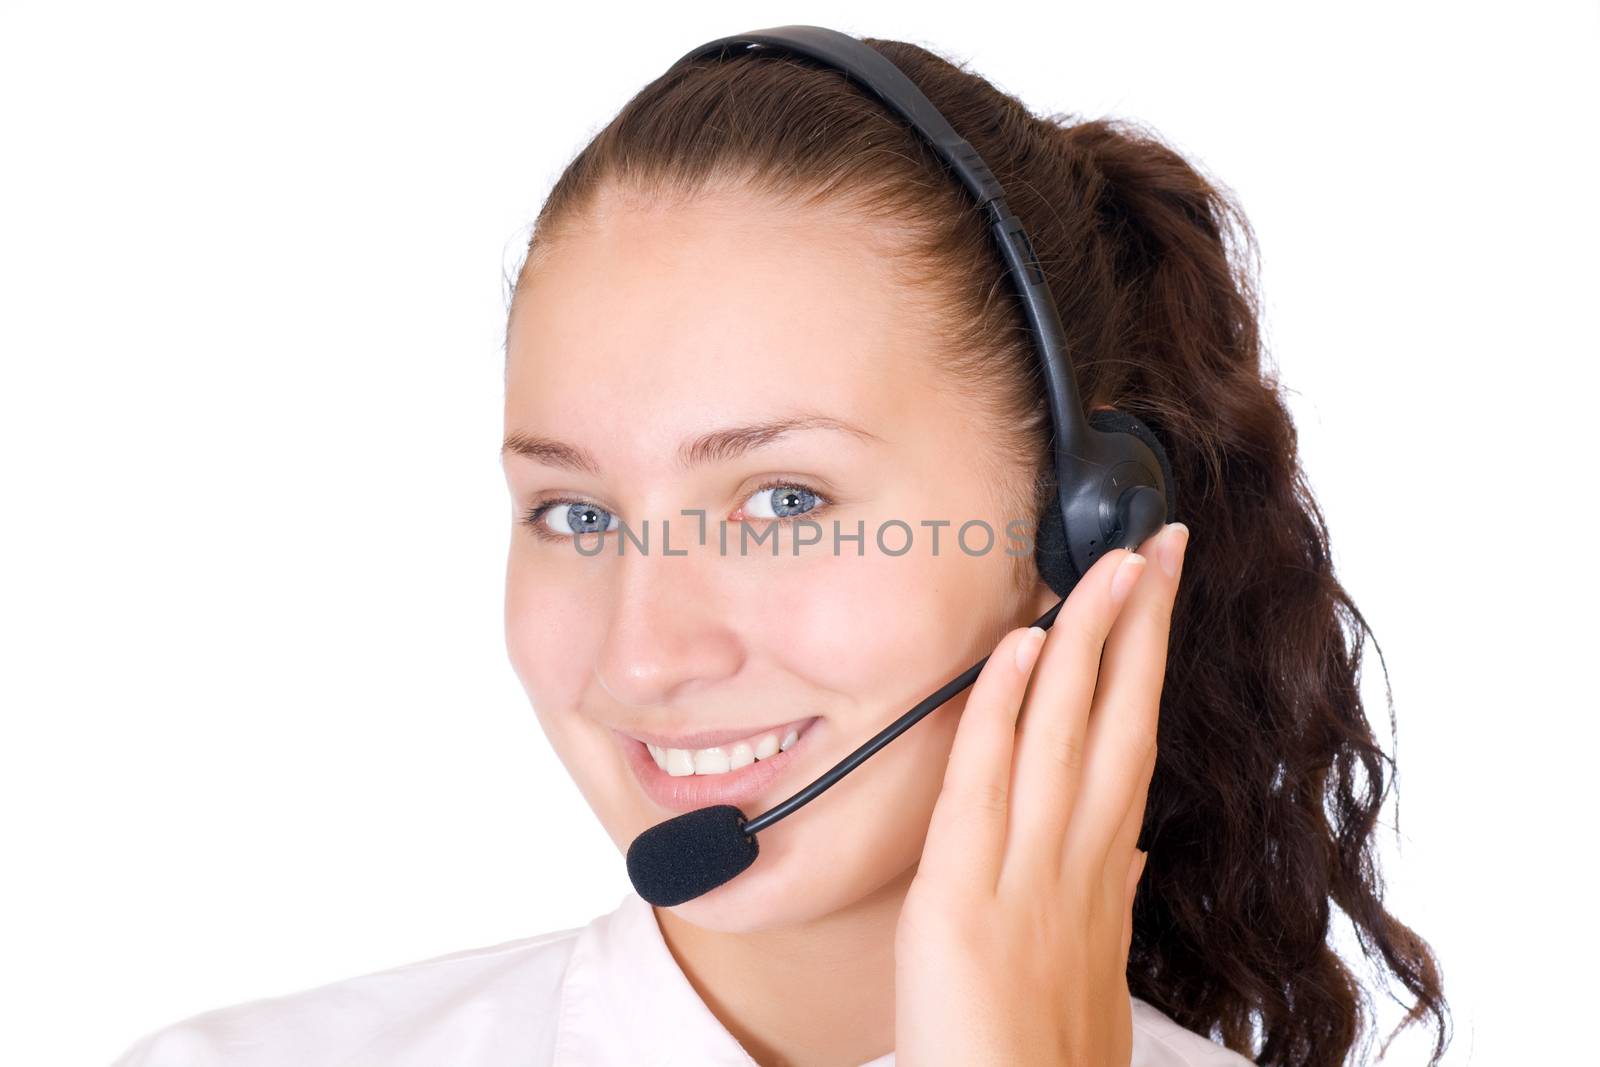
[712,738]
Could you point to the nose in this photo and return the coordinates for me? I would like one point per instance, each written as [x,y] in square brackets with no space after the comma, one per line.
[670,635]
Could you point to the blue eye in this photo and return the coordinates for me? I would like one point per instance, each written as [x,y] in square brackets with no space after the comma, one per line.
[582,518]
[780,501]
[563,518]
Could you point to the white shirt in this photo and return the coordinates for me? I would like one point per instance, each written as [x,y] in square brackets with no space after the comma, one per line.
[609,994]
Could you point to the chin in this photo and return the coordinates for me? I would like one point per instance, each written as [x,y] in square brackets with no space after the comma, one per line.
[750,903]
[781,891]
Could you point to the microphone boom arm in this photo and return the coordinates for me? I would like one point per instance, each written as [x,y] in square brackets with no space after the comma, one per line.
[883,737]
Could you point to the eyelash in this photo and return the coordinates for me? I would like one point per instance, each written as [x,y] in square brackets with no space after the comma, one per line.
[535,515]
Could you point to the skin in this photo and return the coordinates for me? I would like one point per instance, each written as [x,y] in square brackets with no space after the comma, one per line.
[654,323]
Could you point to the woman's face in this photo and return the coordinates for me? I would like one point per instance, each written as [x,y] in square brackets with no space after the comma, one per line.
[647,329]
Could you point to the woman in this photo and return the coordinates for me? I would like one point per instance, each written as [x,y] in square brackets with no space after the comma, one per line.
[756,303]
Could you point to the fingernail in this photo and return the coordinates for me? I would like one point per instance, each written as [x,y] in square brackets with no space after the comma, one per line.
[1126,578]
[1174,539]
[1028,648]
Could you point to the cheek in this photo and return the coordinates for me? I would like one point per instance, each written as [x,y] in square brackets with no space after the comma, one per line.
[551,630]
[880,632]
[869,638]
[552,636]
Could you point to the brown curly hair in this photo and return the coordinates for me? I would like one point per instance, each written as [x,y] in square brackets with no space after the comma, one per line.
[1268,781]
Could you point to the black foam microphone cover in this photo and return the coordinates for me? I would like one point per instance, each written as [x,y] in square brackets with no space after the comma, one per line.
[691,854]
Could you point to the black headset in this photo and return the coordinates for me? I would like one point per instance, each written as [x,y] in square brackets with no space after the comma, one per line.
[1114,483]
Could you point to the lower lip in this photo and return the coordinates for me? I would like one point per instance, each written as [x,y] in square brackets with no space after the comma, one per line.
[689,792]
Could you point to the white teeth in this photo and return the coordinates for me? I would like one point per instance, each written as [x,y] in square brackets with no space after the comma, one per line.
[710,761]
[679,762]
[720,759]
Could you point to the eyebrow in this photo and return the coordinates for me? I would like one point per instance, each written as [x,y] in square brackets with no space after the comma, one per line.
[718,446]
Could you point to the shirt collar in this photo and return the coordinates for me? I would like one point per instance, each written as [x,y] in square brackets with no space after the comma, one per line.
[625,1000]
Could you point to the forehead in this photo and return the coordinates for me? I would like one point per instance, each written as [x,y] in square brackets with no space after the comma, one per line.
[725,305]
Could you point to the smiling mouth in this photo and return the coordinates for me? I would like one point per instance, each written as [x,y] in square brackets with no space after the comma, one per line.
[728,756]
[733,773]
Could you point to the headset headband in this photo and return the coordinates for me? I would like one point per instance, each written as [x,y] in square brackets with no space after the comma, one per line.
[870,69]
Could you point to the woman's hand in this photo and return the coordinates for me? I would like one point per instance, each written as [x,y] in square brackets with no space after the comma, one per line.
[1012,944]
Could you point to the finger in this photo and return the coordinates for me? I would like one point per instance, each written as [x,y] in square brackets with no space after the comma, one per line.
[1135,873]
[1123,850]
[1051,737]
[1120,746]
[966,835]
[1125,840]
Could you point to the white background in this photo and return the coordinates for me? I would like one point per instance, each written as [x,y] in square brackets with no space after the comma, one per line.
[259,728]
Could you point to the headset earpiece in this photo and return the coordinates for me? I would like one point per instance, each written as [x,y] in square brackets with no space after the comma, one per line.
[1111,420]
[1126,494]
